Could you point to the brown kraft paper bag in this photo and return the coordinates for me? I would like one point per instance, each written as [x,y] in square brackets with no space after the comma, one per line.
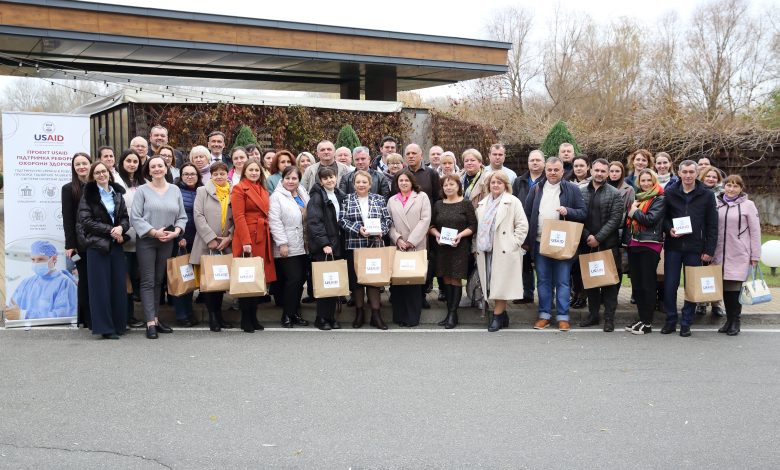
[247,277]
[704,283]
[330,278]
[215,273]
[409,268]
[598,269]
[181,276]
[560,239]
[374,266]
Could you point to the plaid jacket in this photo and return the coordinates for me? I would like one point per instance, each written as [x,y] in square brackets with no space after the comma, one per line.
[351,220]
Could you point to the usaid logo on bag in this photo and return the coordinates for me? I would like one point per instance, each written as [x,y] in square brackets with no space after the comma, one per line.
[330,280]
[373,265]
[557,238]
[221,272]
[708,285]
[187,274]
[246,274]
[596,268]
[407,264]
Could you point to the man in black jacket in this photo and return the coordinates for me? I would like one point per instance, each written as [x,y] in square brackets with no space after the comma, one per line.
[688,204]
[362,160]
[520,188]
[605,215]
[388,145]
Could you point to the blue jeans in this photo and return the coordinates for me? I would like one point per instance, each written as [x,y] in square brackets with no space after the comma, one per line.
[183,306]
[673,263]
[552,274]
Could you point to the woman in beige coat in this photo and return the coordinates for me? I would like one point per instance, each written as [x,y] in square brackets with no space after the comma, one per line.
[410,210]
[502,227]
[214,231]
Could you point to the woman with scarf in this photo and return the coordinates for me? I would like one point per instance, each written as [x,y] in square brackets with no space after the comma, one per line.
[472,177]
[663,169]
[644,237]
[213,221]
[739,246]
[501,230]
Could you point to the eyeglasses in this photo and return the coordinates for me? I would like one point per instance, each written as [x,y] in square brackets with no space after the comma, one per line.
[100,172]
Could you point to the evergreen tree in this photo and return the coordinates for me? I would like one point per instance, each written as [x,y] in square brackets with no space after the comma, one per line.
[347,138]
[245,137]
[558,135]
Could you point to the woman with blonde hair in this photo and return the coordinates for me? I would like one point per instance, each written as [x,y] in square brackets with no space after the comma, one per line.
[501,230]
[472,176]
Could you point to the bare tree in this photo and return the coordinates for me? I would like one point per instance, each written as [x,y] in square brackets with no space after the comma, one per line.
[513,24]
[562,54]
[727,58]
[51,96]
[663,63]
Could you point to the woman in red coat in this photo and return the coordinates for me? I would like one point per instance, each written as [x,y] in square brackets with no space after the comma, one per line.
[252,234]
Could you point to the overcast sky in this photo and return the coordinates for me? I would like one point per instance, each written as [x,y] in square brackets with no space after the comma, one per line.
[445,18]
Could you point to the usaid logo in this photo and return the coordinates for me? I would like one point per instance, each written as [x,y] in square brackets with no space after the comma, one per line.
[48,134]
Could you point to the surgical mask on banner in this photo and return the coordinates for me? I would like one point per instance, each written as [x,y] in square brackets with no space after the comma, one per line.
[40,269]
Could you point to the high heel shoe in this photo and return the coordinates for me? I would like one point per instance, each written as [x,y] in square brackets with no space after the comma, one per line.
[359,317]
[499,321]
[376,320]
[297,319]
[151,332]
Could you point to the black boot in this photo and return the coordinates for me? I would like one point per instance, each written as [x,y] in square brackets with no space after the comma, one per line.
[213,323]
[287,321]
[359,317]
[498,322]
[727,326]
[452,318]
[609,323]
[735,324]
[446,289]
[376,320]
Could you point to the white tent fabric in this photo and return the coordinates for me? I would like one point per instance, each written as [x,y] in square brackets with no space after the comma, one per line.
[241,97]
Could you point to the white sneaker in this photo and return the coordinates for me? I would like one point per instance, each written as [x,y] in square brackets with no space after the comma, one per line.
[642,329]
[631,327]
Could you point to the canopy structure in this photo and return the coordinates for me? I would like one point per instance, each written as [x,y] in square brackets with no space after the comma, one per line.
[73,39]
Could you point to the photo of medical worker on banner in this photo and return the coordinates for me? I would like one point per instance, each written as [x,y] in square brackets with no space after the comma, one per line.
[50,292]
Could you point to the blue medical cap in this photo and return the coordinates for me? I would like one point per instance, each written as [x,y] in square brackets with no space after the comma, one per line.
[42,247]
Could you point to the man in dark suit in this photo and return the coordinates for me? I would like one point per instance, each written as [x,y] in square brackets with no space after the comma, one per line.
[216,146]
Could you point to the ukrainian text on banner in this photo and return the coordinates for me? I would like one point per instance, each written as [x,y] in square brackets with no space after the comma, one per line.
[40,283]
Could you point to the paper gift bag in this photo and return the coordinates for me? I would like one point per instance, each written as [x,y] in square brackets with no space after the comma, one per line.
[330,278]
[181,276]
[215,272]
[374,266]
[560,239]
[704,283]
[409,267]
[247,277]
[755,291]
[598,269]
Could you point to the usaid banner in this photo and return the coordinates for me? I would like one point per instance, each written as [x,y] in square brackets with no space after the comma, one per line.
[40,283]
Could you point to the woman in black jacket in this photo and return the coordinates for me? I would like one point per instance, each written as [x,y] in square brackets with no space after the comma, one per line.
[644,237]
[101,228]
[71,195]
[325,201]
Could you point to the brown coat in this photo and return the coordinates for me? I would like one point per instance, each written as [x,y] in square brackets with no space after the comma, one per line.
[412,221]
[250,204]
[207,213]
[510,229]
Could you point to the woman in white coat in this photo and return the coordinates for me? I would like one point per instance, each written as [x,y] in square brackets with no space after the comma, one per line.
[410,210]
[286,217]
[501,230]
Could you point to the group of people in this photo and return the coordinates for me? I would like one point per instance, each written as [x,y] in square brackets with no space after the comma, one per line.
[126,218]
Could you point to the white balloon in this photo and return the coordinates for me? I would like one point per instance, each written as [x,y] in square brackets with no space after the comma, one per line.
[770,253]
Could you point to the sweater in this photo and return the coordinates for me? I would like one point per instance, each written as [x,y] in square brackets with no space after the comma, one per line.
[154,211]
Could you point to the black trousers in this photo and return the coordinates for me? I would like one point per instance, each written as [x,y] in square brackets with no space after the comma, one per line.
[107,293]
[293,269]
[83,311]
[643,263]
[248,308]
[577,289]
[213,301]
[407,303]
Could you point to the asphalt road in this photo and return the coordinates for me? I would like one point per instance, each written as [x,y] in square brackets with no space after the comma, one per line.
[369,399]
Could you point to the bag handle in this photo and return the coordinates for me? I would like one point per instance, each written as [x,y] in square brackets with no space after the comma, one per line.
[215,252]
[181,248]
[332,258]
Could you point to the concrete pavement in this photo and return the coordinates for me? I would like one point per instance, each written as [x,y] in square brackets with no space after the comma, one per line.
[301,399]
